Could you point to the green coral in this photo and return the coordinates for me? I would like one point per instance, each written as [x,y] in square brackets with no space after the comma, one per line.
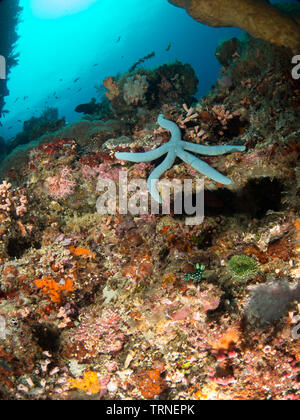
[242,267]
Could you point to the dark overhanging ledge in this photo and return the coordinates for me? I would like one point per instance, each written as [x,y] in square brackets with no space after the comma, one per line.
[278,23]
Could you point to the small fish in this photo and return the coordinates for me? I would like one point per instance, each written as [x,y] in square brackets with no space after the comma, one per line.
[25,97]
[118,40]
[60,80]
[16,100]
[76,80]
[1,125]
[86,108]
[9,128]
[168,46]
[95,65]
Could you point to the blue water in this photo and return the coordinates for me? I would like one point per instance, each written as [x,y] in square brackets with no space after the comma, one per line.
[62,40]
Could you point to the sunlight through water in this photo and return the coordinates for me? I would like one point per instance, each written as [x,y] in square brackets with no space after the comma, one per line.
[52,9]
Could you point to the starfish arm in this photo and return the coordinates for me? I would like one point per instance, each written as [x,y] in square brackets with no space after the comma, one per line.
[171,126]
[157,173]
[203,167]
[144,156]
[212,150]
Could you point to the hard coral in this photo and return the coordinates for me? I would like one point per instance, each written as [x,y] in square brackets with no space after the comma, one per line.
[13,207]
[135,90]
[9,200]
[100,334]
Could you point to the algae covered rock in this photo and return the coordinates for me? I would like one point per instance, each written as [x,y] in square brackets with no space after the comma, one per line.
[258,18]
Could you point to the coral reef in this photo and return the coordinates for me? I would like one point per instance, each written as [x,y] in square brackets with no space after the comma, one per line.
[242,267]
[121,306]
[177,147]
[143,89]
[9,18]
[62,184]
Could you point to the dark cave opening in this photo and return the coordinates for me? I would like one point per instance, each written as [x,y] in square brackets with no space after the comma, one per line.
[17,247]
[257,197]
[48,337]
[261,195]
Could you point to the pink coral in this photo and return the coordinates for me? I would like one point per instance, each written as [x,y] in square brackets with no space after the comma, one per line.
[223,116]
[11,200]
[61,185]
[5,202]
[190,116]
[21,209]
[103,171]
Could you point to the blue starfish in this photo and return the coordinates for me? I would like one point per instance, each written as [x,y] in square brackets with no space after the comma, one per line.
[177,147]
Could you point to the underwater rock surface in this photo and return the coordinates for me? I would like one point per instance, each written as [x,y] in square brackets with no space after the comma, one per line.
[9,15]
[107,306]
[279,25]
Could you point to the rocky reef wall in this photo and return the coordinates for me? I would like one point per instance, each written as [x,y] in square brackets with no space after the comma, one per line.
[9,16]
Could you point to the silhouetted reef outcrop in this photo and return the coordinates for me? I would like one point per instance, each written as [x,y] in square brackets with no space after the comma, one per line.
[9,18]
